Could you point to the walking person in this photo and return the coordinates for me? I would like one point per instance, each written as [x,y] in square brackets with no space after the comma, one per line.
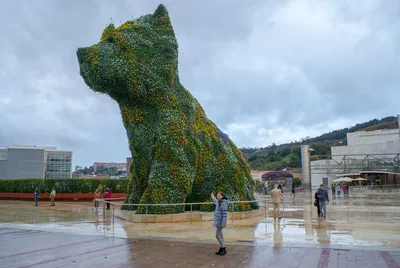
[344,189]
[265,187]
[323,199]
[276,200]
[220,219]
[107,196]
[338,189]
[316,203]
[52,197]
[97,195]
[36,196]
[333,189]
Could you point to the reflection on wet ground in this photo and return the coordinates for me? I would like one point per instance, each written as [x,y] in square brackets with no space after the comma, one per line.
[358,220]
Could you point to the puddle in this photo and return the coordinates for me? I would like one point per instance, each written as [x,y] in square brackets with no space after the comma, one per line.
[352,221]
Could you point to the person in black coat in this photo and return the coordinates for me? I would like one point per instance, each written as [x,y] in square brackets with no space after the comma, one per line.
[317,204]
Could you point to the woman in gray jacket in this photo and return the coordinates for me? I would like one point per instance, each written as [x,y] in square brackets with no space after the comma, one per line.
[220,219]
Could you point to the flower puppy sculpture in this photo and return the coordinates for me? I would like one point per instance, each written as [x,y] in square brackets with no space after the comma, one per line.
[178,154]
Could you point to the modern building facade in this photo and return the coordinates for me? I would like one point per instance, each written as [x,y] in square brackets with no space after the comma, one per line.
[58,164]
[30,161]
[373,155]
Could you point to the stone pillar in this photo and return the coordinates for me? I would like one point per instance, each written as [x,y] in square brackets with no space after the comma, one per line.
[398,120]
[306,172]
[307,197]
[306,168]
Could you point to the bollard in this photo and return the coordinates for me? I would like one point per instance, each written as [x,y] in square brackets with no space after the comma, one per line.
[104,210]
[113,221]
[265,210]
[233,210]
[146,213]
[191,208]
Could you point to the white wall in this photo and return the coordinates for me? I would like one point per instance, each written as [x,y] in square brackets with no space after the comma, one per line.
[317,173]
[392,147]
[316,179]
[369,142]
[372,137]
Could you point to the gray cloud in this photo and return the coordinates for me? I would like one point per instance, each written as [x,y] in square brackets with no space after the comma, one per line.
[264,71]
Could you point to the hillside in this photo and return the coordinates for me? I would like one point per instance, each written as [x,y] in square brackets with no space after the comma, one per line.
[277,157]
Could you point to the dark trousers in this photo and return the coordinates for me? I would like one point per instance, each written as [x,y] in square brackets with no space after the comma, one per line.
[36,201]
[108,204]
[318,209]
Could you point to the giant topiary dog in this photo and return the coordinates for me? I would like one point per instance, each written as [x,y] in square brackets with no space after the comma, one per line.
[178,154]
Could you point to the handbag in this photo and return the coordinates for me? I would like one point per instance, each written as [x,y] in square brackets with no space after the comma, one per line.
[315,203]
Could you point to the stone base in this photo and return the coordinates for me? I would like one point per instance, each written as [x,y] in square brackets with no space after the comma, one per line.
[195,216]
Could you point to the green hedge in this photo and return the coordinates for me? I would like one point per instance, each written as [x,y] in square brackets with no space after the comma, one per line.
[63,185]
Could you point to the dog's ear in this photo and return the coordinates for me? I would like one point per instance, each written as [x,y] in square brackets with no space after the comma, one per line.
[161,16]
[108,32]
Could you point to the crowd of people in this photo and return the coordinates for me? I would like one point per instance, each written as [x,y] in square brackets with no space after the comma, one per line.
[52,196]
[97,195]
[337,189]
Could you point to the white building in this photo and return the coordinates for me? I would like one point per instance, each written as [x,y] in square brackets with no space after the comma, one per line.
[361,143]
[30,161]
[382,144]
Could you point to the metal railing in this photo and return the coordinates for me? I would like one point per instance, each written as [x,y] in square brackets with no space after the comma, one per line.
[376,188]
[265,201]
[354,163]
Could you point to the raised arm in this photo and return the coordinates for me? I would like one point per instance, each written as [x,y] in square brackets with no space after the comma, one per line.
[215,200]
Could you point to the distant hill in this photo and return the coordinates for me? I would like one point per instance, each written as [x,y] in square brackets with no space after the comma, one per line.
[277,157]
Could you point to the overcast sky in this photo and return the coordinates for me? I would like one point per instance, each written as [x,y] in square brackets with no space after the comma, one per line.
[264,71]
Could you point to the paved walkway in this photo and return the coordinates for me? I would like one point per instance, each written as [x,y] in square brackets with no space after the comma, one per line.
[33,248]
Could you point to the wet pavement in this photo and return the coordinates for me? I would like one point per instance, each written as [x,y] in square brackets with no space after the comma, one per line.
[362,230]
[27,248]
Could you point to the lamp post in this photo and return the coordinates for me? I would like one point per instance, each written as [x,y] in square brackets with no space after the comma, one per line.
[398,124]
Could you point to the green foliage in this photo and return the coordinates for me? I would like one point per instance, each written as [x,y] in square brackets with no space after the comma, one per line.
[112,171]
[63,185]
[86,170]
[178,154]
[296,182]
[259,186]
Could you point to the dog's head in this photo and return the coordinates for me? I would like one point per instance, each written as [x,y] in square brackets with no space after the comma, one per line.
[132,60]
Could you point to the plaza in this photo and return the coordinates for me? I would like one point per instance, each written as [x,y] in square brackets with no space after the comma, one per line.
[361,231]
[213,105]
